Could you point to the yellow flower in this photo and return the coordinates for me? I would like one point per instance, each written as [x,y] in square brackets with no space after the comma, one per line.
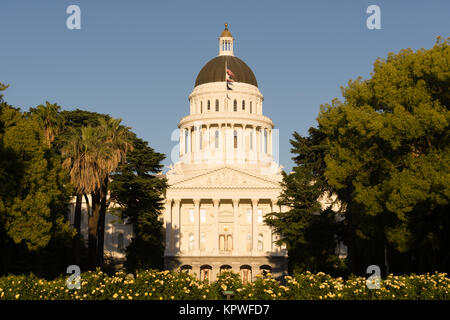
[115,295]
[17,296]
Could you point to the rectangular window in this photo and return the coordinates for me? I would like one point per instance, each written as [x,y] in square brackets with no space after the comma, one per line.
[265,140]
[202,215]
[202,241]
[260,216]
[191,215]
[216,139]
[186,141]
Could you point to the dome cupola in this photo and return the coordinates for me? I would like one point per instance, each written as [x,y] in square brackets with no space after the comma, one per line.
[214,70]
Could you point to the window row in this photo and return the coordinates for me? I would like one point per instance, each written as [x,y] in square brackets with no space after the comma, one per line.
[226,242]
[245,271]
[235,106]
[263,141]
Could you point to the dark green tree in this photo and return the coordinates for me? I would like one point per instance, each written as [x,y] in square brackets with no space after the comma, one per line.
[139,191]
[309,230]
[34,193]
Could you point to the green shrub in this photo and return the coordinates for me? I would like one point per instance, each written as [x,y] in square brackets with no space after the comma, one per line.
[165,285]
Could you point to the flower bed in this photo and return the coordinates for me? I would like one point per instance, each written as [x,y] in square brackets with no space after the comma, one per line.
[164,285]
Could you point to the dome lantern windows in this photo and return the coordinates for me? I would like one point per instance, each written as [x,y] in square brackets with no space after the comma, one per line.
[235,105]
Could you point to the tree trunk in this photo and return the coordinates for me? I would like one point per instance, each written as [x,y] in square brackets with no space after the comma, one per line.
[93,230]
[77,226]
[101,223]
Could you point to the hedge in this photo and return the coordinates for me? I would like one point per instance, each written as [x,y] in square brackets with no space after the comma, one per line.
[165,285]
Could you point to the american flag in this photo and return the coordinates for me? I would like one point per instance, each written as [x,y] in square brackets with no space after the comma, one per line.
[230,80]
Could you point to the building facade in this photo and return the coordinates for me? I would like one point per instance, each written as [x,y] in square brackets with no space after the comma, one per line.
[226,179]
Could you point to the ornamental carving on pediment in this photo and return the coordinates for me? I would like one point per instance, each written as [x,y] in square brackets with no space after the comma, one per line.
[223,178]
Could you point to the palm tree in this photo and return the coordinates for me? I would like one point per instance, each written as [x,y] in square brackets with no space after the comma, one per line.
[50,119]
[91,156]
[81,153]
[119,141]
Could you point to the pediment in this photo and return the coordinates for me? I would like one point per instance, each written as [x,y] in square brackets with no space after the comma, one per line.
[226,177]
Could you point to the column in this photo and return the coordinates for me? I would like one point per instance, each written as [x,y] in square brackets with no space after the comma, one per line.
[275,208]
[255,225]
[181,142]
[236,225]
[197,226]
[269,142]
[168,225]
[255,147]
[215,232]
[176,226]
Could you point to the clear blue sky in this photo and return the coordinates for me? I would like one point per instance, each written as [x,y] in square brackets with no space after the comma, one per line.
[138,60]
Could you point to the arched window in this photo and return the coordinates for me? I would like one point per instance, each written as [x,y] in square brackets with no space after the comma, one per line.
[265,269]
[217,105]
[222,242]
[246,274]
[216,139]
[205,273]
[209,105]
[191,242]
[235,105]
[260,242]
[243,104]
[225,267]
[235,138]
[229,243]
[186,269]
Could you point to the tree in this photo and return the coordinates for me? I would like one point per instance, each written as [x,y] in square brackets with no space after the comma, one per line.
[308,229]
[34,193]
[50,120]
[91,157]
[70,143]
[388,160]
[139,192]
[119,141]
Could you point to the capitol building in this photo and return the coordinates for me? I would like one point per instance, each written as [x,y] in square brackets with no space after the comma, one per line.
[226,179]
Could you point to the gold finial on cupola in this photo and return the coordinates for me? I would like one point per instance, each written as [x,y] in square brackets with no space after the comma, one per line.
[226,32]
